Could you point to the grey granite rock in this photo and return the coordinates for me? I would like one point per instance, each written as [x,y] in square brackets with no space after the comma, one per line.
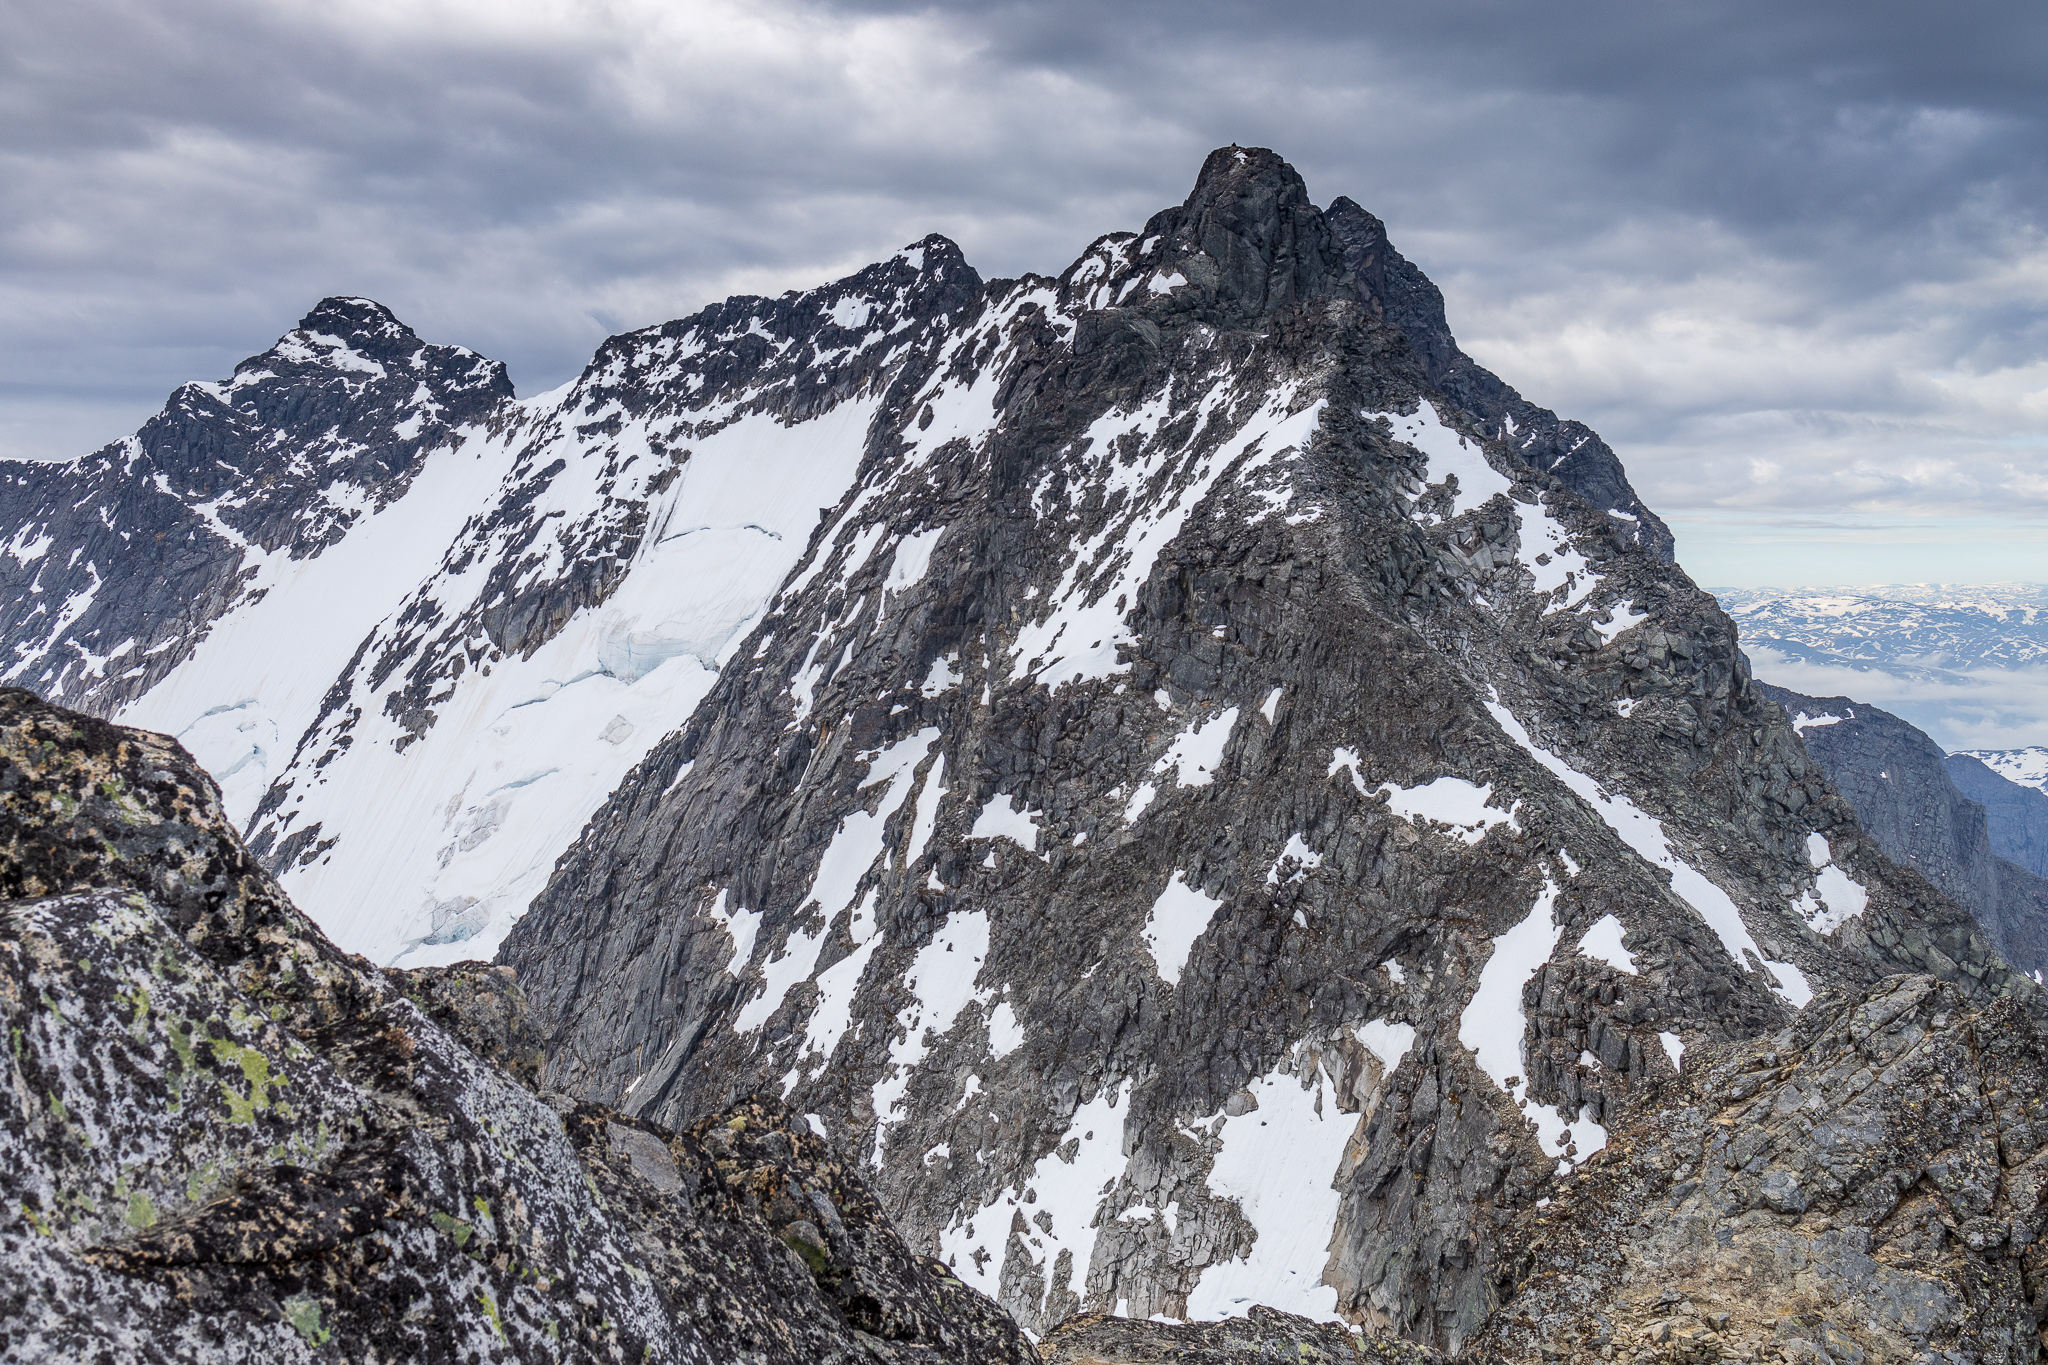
[1572,451]
[222,1140]
[1188,808]
[1261,1337]
[1865,1185]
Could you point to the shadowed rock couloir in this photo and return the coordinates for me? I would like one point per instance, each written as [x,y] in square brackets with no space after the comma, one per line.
[2015,817]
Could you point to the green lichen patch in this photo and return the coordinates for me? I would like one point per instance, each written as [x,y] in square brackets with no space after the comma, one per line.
[137,1001]
[141,1210]
[453,1227]
[813,1256]
[304,1316]
[255,1067]
[483,1297]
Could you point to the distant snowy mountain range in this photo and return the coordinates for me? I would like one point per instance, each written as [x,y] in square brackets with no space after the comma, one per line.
[1968,664]
[1898,627]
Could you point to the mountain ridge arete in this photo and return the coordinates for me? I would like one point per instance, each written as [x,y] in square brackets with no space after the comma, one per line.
[1191,723]
[1197,793]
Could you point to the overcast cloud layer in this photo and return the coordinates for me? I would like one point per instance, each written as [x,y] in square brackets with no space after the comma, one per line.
[1789,260]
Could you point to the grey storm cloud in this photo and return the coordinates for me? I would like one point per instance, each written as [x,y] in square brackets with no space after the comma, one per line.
[1784,257]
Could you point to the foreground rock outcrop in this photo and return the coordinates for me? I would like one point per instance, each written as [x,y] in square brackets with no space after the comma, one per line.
[1869,1184]
[223,1140]
[1264,1336]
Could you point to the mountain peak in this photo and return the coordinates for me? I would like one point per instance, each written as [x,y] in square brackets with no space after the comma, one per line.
[1245,244]
[361,322]
[1235,172]
[934,248]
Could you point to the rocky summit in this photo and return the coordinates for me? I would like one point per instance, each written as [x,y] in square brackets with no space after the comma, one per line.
[1161,808]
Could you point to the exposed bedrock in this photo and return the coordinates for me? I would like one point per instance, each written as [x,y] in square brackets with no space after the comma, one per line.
[1209,820]
[222,1140]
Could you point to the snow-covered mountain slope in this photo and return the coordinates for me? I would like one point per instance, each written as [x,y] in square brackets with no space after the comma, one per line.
[645,518]
[420,629]
[417,692]
[1208,820]
[2028,767]
[114,568]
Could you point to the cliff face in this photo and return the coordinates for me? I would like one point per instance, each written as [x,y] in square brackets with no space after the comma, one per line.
[2015,816]
[1902,788]
[1208,819]
[225,1141]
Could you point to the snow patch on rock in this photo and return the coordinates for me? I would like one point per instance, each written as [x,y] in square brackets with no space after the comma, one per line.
[1278,1163]
[1449,455]
[1178,918]
[1643,833]
[1069,1182]
[1450,801]
[940,980]
[1494,1026]
[1604,942]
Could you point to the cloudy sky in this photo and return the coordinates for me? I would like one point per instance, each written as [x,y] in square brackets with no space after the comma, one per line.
[1789,259]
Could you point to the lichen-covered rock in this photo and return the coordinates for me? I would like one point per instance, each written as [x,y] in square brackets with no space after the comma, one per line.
[483,1007]
[1866,1185]
[223,1140]
[751,1196]
[1261,1336]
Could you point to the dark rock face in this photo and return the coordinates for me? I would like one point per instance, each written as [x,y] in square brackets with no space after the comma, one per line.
[222,1140]
[1570,450]
[1259,1337]
[2015,817]
[1865,1185]
[455,573]
[1900,784]
[1201,746]
[279,460]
